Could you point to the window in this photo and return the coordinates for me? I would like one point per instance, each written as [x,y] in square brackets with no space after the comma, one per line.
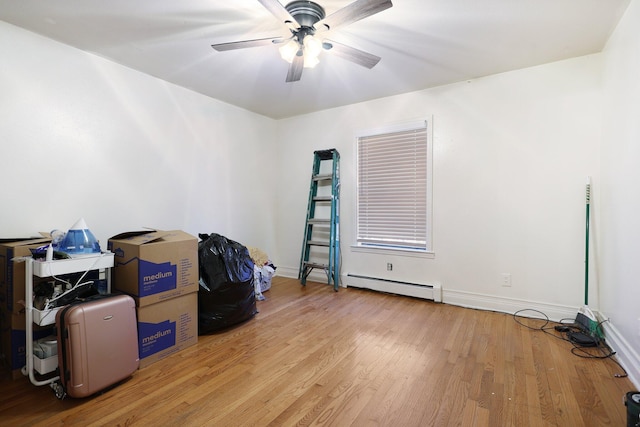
[394,188]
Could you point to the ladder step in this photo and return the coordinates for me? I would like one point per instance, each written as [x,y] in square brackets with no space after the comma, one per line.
[317,243]
[322,177]
[316,265]
[325,154]
[322,198]
[319,221]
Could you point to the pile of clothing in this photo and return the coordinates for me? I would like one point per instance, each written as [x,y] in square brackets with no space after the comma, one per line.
[263,271]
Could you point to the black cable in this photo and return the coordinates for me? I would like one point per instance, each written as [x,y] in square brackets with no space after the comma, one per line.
[601,346]
[572,327]
[546,320]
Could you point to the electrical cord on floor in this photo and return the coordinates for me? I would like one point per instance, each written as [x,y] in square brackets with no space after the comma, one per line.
[568,326]
[582,351]
[565,324]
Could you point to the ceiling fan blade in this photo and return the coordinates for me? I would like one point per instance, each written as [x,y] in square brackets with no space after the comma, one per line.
[295,69]
[353,12]
[246,44]
[278,10]
[352,54]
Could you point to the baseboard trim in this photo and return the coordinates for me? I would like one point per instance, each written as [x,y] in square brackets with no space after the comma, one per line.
[625,354]
[288,272]
[315,275]
[554,312]
[431,291]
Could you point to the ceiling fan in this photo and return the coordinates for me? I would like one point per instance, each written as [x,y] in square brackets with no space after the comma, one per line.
[305,19]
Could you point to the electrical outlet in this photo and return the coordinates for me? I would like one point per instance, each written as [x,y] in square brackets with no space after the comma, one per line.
[506,279]
[389,266]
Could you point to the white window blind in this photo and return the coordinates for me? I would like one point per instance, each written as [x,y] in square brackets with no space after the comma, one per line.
[392,189]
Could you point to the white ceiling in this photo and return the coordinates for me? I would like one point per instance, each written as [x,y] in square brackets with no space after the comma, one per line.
[423,43]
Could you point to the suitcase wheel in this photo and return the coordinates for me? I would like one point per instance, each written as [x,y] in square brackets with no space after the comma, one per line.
[58,390]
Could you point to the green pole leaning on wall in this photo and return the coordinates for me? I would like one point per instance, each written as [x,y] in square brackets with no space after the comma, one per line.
[586,245]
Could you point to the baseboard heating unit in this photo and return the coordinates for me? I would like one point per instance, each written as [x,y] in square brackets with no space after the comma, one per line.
[431,291]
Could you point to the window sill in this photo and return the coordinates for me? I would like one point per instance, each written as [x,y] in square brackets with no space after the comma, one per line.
[393,251]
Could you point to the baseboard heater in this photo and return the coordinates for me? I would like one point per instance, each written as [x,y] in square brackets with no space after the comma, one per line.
[431,292]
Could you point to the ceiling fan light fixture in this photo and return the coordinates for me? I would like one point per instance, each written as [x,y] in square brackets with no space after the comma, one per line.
[310,61]
[312,46]
[289,50]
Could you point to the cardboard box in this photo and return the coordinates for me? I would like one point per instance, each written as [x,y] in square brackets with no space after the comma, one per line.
[12,278]
[154,266]
[167,327]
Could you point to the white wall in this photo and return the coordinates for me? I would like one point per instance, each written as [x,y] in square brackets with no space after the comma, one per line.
[511,156]
[84,137]
[620,210]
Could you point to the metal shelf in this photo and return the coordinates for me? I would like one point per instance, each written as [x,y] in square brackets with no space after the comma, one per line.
[41,268]
[72,265]
[45,317]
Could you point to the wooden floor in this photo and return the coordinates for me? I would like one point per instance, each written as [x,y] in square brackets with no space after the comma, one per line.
[313,356]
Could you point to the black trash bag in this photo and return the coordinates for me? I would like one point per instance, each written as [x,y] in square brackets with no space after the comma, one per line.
[227,293]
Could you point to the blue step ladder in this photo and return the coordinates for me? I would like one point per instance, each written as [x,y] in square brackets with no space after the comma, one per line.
[321,244]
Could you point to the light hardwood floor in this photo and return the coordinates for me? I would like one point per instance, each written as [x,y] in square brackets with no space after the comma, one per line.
[313,356]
